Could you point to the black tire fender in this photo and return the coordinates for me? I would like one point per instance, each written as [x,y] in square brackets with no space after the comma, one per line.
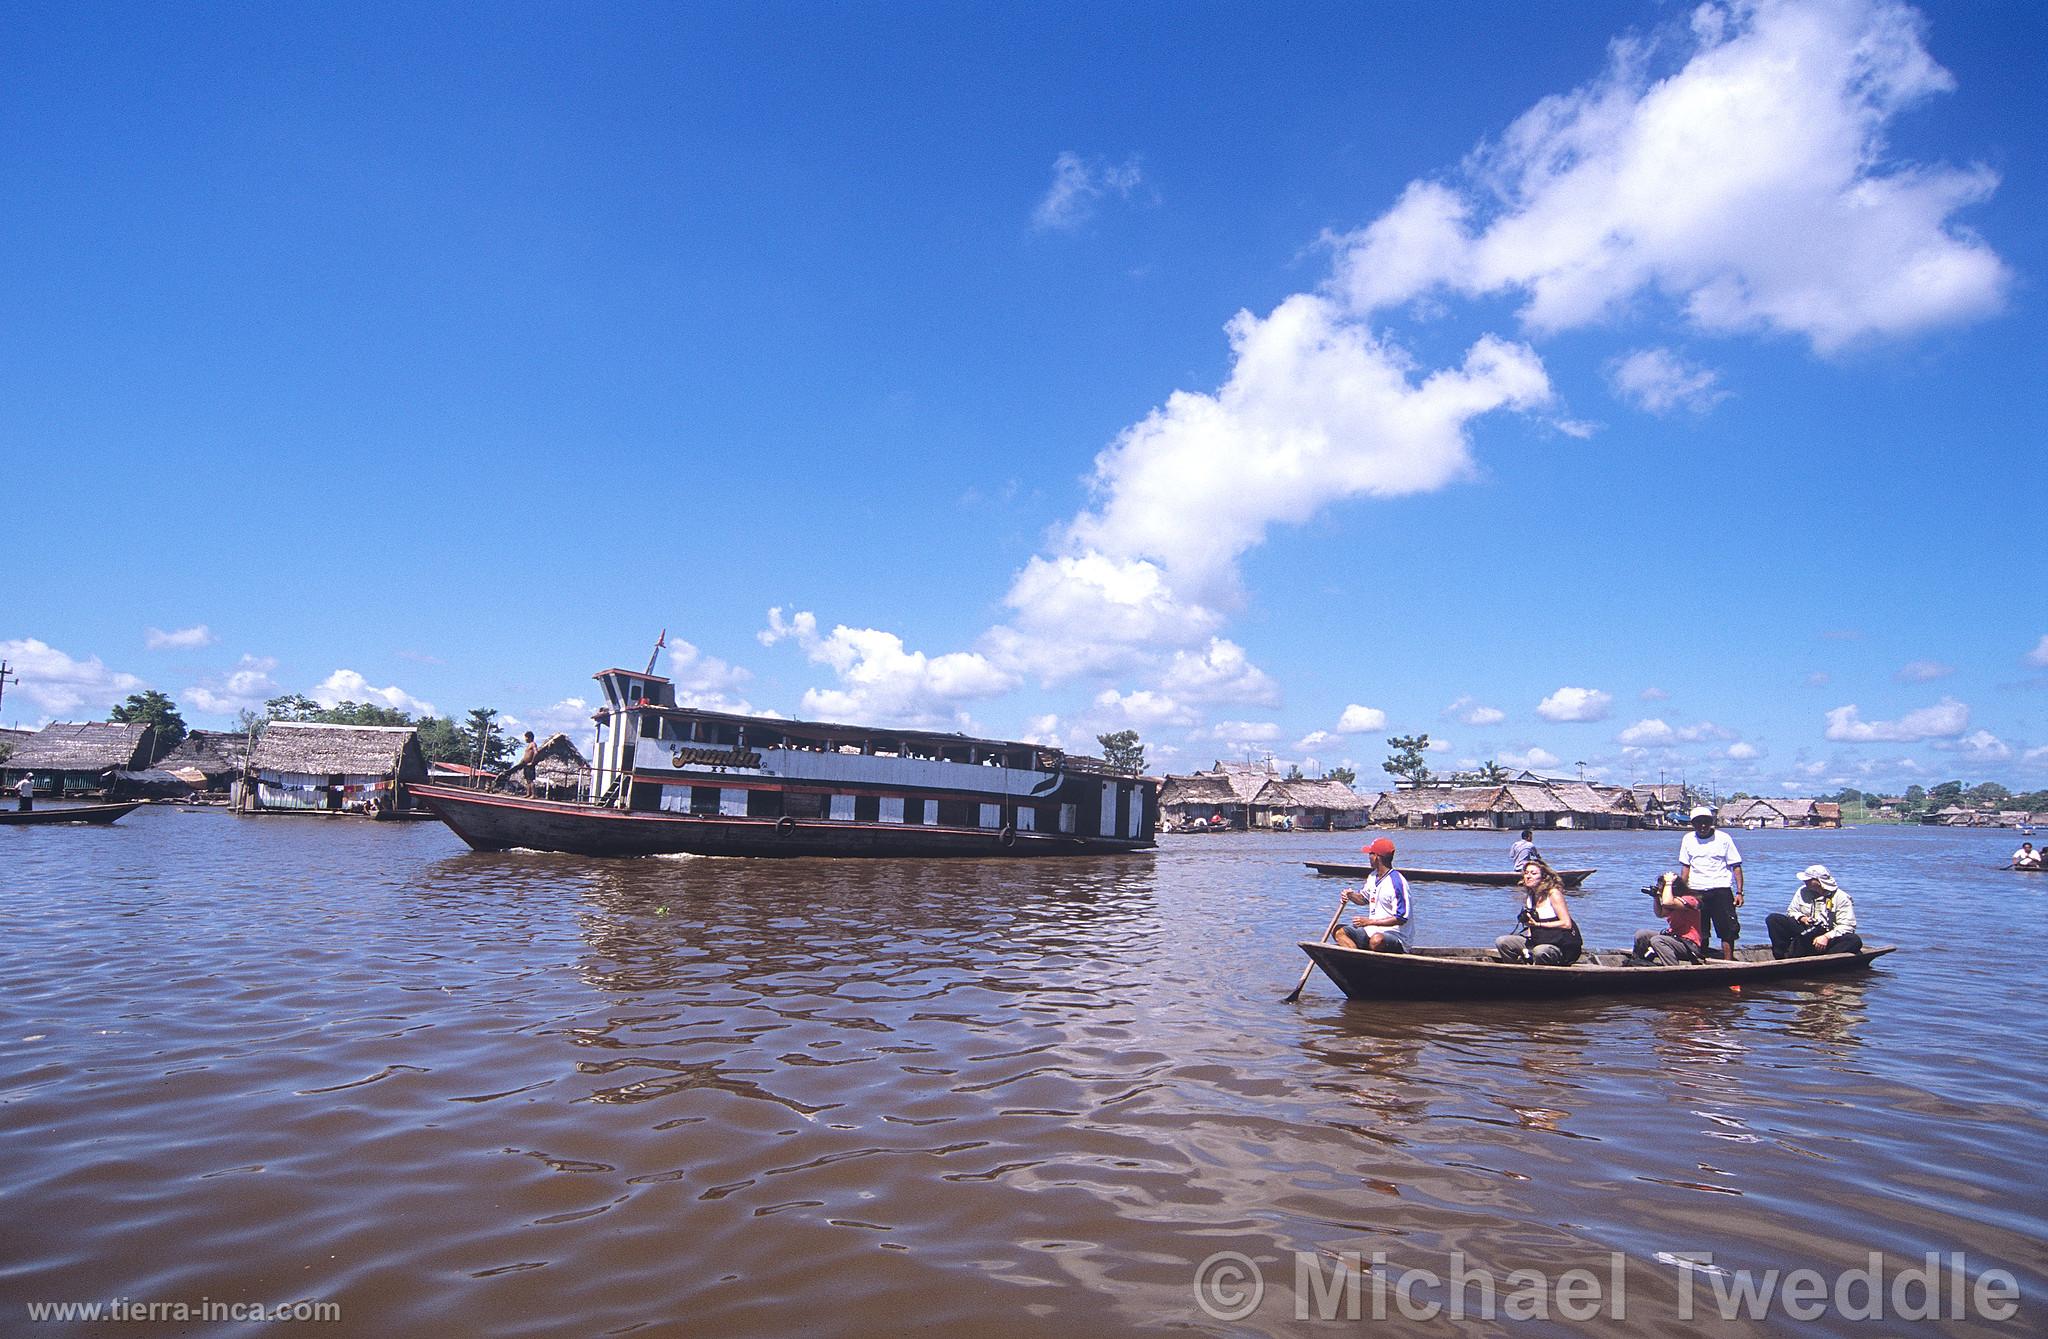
[1008,836]
[785,825]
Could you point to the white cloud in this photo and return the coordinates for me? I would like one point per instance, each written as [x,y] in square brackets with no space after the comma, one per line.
[1980,745]
[569,716]
[1659,381]
[1653,695]
[345,685]
[1653,733]
[1044,730]
[1438,746]
[1144,708]
[1575,704]
[1468,710]
[882,683]
[1088,613]
[1244,732]
[184,639]
[1751,187]
[1535,760]
[245,687]
[1924,671]
[705,681]
[1944,720]
[2036,754]
[64,686]
[1358,720]
[1316,409]
[1316,740]
[1819,679]
[2038,657]
[1743,752]
[1220,673]
[1079,185]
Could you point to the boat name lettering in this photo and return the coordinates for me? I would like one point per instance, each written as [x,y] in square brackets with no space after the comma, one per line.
[694,757]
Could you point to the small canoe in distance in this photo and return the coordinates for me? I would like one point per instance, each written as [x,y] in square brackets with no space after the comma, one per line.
[1478,974]
[77,813]
[1491,878]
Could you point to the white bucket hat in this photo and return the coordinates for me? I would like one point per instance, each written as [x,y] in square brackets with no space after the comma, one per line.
[1819,874]
[1700,811]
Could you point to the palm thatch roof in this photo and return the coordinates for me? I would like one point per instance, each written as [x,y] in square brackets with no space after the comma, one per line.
[207,755]
[315,749]
[1201,788]
[84,746]
[559,763]
[1311,793]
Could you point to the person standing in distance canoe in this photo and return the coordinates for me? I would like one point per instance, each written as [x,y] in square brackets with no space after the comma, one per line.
[1522,852]
[1384,895]
[1713,873]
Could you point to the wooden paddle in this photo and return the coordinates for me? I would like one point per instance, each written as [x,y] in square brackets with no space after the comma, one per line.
[1335,916]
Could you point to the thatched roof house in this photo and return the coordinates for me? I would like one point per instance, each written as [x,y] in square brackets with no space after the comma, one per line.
[1512,804]
[300,766]
[561,768]
[81,755]
[1227,788]
[1765,812]
[208,759]
[1309,803]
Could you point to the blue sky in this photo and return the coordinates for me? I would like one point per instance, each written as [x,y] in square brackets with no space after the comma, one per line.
[1641,385]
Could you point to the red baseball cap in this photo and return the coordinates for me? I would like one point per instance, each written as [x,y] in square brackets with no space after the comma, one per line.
[1380,846]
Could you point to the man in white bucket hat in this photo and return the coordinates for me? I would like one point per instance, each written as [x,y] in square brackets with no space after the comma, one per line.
[1820,919]
[1713,874]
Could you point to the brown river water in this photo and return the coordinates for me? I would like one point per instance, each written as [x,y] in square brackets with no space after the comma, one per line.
[292,1060]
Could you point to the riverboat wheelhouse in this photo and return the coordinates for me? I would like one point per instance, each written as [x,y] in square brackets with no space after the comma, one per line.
[671,779]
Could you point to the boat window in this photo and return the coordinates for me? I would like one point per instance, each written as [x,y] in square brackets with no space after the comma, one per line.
[867,808]
[803,804]
[704,801]
[842,808]
[959,814]
[916,811]
[891,810]
[764,804]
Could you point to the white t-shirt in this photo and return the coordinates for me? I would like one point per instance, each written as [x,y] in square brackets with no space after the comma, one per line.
[1709,864]
[1387,897]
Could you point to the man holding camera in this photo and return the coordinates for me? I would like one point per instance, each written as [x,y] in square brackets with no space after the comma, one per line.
[1820,918]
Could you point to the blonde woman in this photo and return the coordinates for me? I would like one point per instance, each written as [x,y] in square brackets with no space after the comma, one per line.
[1548,937]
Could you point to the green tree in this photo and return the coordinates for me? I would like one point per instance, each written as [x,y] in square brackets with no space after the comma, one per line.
[1406,761]
[1493,773]
[291,707]
[1948,792]
[440,740]
[154,709]
[1123,751]
[1293,772]
[1988,792]
[361,713]
[1916,796]
[483,741]
[1343,776]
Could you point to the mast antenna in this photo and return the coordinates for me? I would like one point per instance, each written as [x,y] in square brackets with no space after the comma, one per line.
[655,654]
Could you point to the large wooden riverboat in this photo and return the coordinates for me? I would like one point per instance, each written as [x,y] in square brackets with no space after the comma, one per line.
[678,780]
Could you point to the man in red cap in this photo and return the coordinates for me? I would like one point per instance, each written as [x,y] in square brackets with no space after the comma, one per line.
[1384,927]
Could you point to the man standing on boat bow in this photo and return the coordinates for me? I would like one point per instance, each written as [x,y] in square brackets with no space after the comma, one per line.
[25,792]
[1713,873]
[1384,895]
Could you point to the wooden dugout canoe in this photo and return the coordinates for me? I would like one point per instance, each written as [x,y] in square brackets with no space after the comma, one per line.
[77,813]
[1490,878]
[1478,974]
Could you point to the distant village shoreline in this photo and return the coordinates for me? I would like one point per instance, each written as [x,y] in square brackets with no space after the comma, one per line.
[1252,797]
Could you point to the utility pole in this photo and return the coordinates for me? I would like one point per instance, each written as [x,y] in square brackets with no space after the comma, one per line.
[6,673]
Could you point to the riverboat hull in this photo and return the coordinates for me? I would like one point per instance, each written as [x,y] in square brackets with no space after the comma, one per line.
[101,814]
[494,822]
[1488,878]
[1478,974]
